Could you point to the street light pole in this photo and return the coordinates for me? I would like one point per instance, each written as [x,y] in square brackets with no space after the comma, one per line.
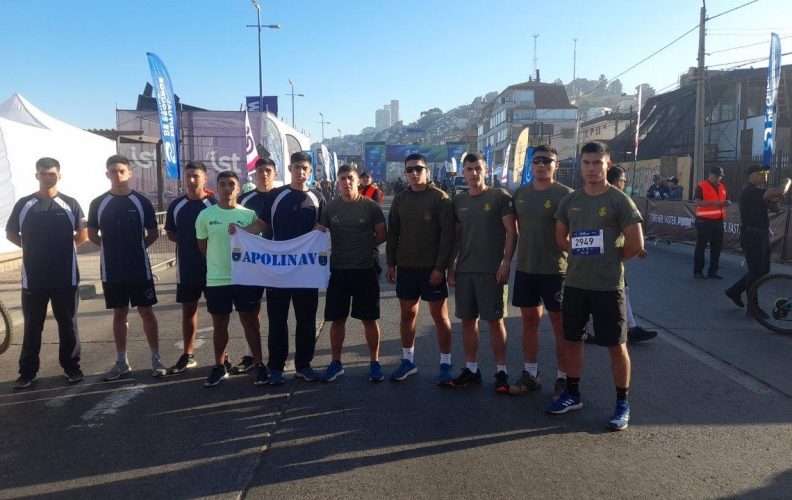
[258,26]
[292,97]
[323,122]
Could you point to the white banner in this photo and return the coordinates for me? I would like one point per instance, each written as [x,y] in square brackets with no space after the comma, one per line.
[303,262]
[505,173]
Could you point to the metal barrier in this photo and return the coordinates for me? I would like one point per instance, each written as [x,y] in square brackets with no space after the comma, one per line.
[162,253]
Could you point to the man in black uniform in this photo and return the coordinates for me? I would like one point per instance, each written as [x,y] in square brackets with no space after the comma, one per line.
[755,201]
[266,173]
[128,224]
[191,270]
[48,225]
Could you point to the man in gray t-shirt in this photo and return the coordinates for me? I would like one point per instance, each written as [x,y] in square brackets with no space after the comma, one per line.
[357,226]
[486,235]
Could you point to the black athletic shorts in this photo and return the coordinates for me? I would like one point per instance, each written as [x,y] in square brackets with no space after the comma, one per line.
[607,308]
[358,286]
[412,283]
[118,295]
[186,294]
[533,290]
[243,298]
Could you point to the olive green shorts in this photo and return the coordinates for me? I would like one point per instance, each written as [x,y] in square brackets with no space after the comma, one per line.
[478,295]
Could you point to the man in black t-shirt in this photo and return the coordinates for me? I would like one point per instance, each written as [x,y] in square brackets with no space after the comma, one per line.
[291,211]
[191,270]
[49,226]
[266,173]
[755,201]
[128,226]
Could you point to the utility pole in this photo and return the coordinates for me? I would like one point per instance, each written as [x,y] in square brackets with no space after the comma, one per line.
[574,61]
[323,122]
[536,58]
[697,172]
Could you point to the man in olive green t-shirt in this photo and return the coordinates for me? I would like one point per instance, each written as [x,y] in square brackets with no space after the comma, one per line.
[420,242]
[541,268]
[214,241]
[357,226]
[486,235]
[600,227]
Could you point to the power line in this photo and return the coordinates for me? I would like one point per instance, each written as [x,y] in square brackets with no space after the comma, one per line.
[744,46]
[731,10]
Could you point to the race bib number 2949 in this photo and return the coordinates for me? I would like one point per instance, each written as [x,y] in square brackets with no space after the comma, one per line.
[587,243]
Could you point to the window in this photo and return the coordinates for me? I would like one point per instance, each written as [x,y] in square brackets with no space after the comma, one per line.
[524,95]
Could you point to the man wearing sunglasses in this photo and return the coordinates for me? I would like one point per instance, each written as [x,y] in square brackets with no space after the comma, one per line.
[541,267]
[755,201]
[420,243]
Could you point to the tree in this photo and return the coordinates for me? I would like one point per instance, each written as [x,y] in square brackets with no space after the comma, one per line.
[648,90]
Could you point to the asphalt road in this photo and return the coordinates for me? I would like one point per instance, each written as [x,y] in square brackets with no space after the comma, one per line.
[710,400]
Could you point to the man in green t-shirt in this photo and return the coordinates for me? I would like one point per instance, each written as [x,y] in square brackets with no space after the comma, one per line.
[357,226]
[600,227]
[211,230]
[486,235]
[541,268]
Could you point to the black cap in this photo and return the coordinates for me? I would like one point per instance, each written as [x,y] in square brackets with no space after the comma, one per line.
[716,171]
[673,178]
[365,174]
[757,168]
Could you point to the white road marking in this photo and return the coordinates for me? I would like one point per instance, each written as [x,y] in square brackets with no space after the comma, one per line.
[83,386]
[111,404]
[199,339]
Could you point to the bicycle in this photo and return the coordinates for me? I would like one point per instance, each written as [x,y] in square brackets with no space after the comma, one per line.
[770,300]
[7,332]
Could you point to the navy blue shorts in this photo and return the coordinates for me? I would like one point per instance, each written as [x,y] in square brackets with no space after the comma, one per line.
[413,283]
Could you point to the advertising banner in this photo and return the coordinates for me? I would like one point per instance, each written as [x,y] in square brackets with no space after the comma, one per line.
[527,173]
[519,155]
[773,79]
[168,116]
[251,154]
[270,103]
[375,161]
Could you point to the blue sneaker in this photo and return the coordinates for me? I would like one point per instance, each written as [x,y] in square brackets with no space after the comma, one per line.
[564,403]
[444,376]
[276,377]
[375,372]
[405,369]
[308,374]
[621,416]
[334,370]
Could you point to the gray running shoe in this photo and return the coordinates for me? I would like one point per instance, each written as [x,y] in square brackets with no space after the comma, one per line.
[560,386]
[24,381]
[117,370]
[157,368]
[526,383]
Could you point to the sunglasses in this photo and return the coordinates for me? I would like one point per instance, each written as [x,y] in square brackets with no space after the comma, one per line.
[762,172]
[411,170]
[544,160]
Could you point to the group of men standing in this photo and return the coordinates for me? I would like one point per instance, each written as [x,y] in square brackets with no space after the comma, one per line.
[570,247]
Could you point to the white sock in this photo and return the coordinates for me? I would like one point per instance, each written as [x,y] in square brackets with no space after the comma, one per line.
[630,317]
[445,358]
[155,353]
[561,375]
[532,368]
[501,368]
[122,357]
[408,353]
[249,352]
[471,366]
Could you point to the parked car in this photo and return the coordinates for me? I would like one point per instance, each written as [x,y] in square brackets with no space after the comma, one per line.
[460,185]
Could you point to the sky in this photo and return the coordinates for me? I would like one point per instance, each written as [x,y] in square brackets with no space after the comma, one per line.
[78,60]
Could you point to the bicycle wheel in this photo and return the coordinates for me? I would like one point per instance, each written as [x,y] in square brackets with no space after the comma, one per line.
[7,333]
[770,299]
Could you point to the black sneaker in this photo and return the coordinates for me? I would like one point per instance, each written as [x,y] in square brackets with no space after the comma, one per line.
[699,276]
[735,297]
[638,334]
[466,378]
[218,373]
[262,377]
[185,361]
[227,364]
[246,364]
[714,276]
[74,375]
[24,381]
[501,382]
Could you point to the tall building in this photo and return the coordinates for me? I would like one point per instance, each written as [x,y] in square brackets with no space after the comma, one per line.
[395,112]
[381,119]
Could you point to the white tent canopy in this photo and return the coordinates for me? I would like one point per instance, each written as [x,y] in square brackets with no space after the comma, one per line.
[27,134]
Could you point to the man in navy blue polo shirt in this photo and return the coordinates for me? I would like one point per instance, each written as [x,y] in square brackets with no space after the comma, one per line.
[291,211]
[265,174]
[48,225]
[191,263]
[128,226]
